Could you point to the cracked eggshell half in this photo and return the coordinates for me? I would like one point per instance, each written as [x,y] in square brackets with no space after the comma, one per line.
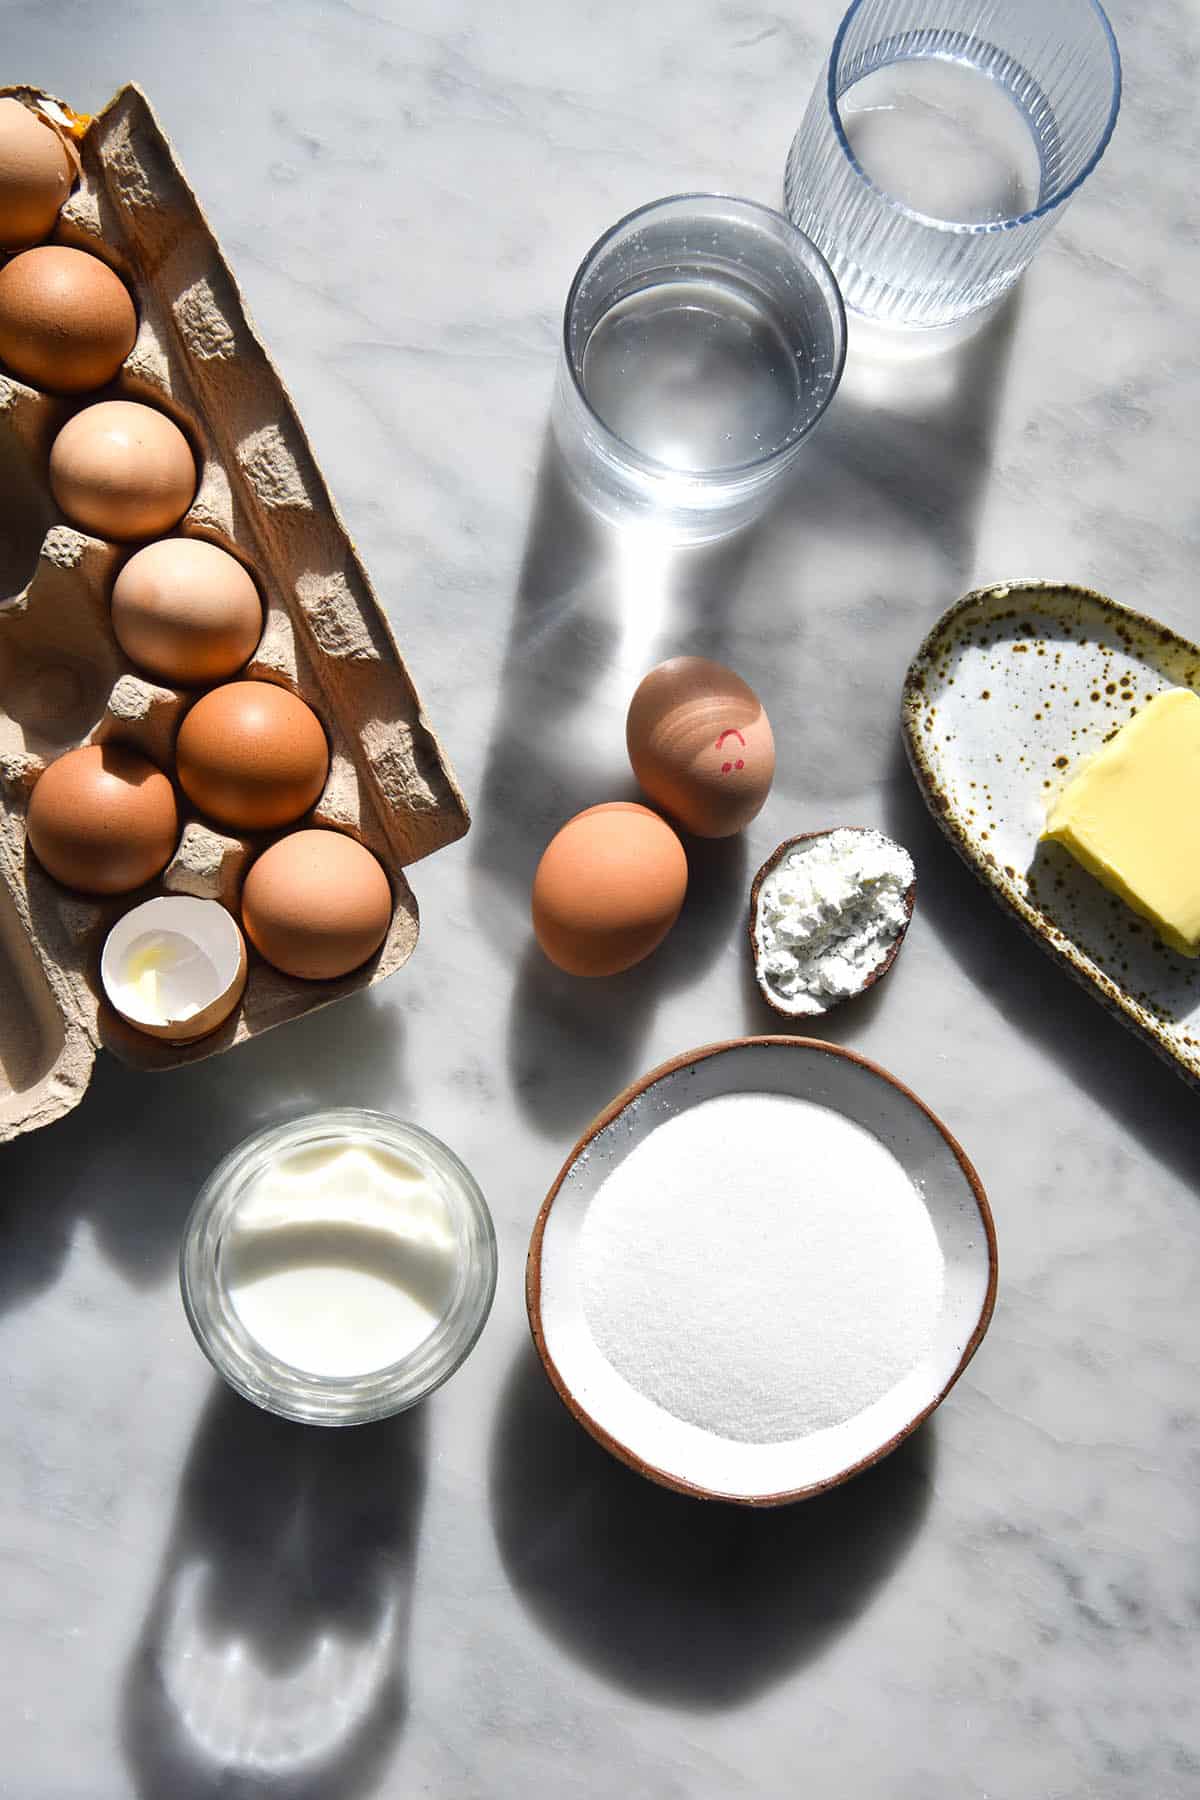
[174,967]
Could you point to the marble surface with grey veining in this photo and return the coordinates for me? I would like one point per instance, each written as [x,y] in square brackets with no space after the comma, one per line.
[473,1601]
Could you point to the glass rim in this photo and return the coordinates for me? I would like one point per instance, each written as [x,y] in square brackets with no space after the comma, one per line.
[981,227]
[815,264]
[284,1388]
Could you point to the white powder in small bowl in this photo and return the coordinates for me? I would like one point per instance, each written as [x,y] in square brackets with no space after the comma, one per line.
[760,1266]
[828,914]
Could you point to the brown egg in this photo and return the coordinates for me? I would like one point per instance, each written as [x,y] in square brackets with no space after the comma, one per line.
[608,889]
[316,905]
[66,321]
[120,470]
[103,819]
[186,611]
[701,745]
[35,176]
[252,755]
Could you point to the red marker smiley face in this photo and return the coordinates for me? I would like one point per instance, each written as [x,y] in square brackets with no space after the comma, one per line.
[728,767]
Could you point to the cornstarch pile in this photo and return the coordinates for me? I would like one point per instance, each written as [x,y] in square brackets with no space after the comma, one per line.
[828,915]
[760,1266]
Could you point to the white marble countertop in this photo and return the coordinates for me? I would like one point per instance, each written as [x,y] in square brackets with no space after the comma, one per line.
[474,1601]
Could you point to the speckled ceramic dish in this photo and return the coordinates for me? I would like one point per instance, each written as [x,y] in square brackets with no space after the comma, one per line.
[1011,692]
[681,1455]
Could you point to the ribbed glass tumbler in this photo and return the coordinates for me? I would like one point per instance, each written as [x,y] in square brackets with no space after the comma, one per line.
[942,142]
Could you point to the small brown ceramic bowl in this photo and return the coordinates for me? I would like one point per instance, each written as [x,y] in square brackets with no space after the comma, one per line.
[810,1009]
[682,1456]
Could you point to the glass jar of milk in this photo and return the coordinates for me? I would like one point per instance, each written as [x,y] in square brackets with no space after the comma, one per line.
[337,1269]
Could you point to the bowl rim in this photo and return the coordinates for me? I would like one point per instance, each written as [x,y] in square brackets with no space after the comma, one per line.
[533,1273]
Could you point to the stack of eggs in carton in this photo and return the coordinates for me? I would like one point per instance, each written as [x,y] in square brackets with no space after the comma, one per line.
[205,727]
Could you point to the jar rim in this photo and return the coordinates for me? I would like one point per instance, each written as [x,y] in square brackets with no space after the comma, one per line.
[281,1387]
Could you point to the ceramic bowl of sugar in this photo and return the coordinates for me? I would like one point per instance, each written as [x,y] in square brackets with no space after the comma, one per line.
[760,1269]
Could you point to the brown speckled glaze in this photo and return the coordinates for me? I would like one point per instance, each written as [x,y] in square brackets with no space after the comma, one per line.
[1013,690]
[877,973]
[533,1271]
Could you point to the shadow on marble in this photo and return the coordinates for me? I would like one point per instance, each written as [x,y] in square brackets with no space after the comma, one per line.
[272,1660]
[908,440]
[1040,1001]
[683,1602]
[874,533]
[133,1155]
[574,1043]
[584,593]
[917,430]
[563,637]
[590,601]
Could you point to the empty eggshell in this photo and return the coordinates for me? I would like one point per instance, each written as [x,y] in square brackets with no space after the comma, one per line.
[121,470]
[608,889]
[252,755]
[36,173]
[316,905]
[701,745]
[186,611]
[103,819]
[174,967]
[66,321]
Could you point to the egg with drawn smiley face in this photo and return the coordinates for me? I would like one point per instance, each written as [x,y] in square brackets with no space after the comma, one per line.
[701,745]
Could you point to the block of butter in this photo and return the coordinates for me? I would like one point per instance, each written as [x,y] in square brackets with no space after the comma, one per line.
[1132,817]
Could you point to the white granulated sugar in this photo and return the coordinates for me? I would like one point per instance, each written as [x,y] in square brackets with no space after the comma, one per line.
[828,915]
[760,1266]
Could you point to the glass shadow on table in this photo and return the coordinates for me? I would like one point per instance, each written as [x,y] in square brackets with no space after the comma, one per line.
[688,1603]
[272,1658]
[594,610]
[595,606]
[901,460]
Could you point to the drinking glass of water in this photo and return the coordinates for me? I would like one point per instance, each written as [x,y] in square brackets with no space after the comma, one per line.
[703,338]
[942,143]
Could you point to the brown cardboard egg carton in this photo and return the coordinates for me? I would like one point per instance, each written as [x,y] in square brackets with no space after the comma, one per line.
[64,680]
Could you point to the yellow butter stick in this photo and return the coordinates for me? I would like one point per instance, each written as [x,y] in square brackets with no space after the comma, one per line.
[1132,817]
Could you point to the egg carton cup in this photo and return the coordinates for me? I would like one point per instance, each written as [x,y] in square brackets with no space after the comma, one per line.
[64,680]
